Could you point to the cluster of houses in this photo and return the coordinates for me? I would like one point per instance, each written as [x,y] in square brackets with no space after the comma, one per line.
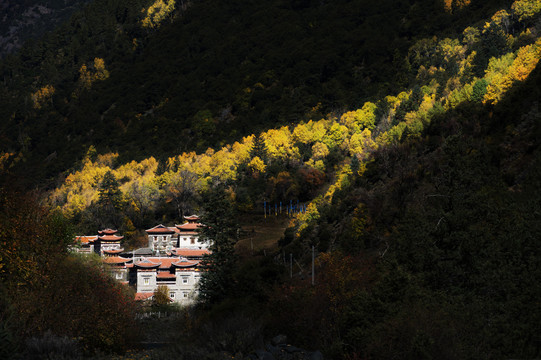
[172,258]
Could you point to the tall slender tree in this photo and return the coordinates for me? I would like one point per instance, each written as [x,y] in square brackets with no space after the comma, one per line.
[110,201]
[221,231]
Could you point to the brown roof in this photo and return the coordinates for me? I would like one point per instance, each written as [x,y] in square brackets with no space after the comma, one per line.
[110,238]
[184,263]
[115,260]
[113,251]
[107,232]
[165,275]
[188,226]
[143,296]
[191,217]
[147,264]
[160,229]
[86,239]
[165,263]
[191,252]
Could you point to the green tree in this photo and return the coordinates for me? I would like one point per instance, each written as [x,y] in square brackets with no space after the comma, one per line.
[110,201]
[221,231]
[161,296]
[109,192]
[259,148]
[479,90]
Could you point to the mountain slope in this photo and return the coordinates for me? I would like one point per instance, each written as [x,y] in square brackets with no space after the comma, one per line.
[444,231]
[209,74]
[23,20]
[422,204]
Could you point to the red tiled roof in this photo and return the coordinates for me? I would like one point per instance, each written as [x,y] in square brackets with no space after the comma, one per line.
[113,251]
[165,275]
[160,229]
[110,238]
[188,226]
[86,239]
[147,264]
[143,296]
[184,263]
[115,260]
[191,252]
[107,232]
[166,262]
[191,217]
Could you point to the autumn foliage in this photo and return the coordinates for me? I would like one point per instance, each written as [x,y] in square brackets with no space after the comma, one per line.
[49,290]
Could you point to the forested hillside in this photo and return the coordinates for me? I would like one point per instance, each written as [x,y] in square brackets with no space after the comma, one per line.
[410,148]
[30,19]
[174,76]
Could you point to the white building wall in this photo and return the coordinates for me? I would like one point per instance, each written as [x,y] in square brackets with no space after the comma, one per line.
[146,281]
[120,274]
[185,242]
[187,286]
[161,243]
[184,286]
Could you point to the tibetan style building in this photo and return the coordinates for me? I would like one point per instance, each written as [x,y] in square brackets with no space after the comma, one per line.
[105,243]
[171,259]
[188,237]
[165,240]
[180,275]
[108,242]
[162,239]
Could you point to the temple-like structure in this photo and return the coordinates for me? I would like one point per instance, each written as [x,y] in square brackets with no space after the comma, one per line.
[105,243]
[172,259]
[163,240]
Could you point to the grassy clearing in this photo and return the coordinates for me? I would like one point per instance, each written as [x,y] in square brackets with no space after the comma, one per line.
[260,232]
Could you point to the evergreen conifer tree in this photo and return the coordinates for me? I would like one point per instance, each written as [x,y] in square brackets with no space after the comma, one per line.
[259,148]
[221,231]
[110,201]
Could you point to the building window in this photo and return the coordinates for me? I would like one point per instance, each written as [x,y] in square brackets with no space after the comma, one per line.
[119,275]
[192,241]
[146,281]
[185,294]
[172,295]
[184,279]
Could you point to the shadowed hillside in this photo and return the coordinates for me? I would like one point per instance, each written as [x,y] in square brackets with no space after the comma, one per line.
[203,74]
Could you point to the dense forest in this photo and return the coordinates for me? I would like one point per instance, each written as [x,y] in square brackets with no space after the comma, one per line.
[29,19]
[409,146]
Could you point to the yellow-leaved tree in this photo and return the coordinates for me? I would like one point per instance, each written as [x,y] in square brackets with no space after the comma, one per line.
[523,64]
[42,96]
[279,143]
[526,9]
[88,76]
[256,166]
[157,12]
[360,118]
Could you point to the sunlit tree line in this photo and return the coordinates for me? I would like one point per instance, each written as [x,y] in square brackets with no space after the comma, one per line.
[280,164]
